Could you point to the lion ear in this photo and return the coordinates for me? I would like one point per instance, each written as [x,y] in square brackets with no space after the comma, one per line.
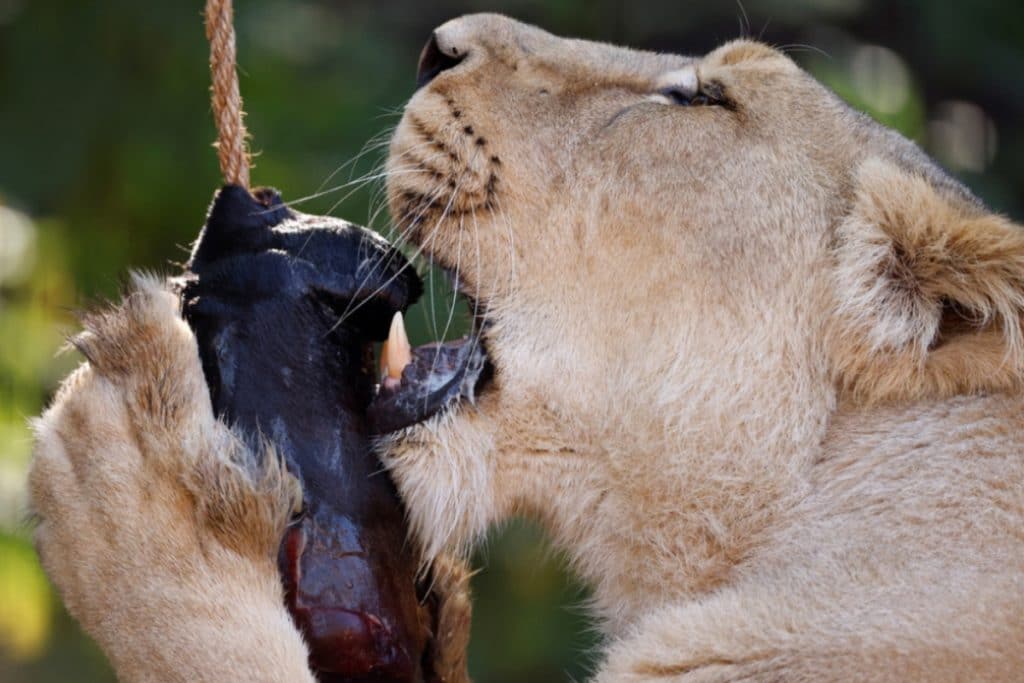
[929,289]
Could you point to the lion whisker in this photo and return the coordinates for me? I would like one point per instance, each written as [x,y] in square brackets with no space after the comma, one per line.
[349,310]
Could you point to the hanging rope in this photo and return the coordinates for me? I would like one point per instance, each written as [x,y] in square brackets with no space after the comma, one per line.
[232,147]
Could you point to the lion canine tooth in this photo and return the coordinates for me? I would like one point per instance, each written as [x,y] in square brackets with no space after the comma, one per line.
[396,352]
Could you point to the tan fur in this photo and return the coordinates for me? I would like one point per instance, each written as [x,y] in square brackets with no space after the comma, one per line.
[156,524]
[903,252]
[758,371]
[758,367]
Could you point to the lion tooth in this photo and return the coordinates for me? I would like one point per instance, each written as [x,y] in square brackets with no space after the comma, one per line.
[396,352]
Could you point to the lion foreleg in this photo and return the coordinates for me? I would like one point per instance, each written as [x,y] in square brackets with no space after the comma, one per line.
[157,525]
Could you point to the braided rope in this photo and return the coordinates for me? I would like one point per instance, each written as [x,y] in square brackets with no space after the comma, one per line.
[232,148]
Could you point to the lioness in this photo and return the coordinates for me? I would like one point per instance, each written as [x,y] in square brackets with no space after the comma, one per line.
[754,360]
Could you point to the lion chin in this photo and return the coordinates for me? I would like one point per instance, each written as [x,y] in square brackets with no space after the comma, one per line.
[753,360]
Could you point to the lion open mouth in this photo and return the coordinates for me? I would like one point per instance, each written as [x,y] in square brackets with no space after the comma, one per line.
[418,383]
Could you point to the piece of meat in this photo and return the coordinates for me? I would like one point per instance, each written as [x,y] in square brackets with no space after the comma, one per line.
[285,307]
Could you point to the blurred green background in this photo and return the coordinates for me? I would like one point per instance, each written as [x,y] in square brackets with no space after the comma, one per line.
[105,164]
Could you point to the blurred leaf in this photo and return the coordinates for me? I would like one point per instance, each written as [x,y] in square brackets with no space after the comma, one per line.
[25,600]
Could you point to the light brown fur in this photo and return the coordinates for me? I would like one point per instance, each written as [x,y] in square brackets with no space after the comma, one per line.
[156,524]
[758,370]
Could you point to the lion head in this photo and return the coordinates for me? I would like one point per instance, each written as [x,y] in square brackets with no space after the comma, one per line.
[680,268]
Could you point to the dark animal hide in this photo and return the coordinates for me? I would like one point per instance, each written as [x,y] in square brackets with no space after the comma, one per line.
[286,307]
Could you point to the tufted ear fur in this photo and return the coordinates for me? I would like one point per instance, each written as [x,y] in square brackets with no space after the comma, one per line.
[930,290]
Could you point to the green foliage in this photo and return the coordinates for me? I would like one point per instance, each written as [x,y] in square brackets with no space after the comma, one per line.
[105,164]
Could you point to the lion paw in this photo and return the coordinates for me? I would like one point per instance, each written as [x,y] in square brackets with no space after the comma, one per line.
[156,523]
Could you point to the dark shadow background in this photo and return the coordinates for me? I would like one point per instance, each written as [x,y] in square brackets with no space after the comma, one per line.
[105,164]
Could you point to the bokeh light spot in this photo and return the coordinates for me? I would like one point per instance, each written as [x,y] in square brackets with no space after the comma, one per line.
[963,136]
[17,246]
[881,78]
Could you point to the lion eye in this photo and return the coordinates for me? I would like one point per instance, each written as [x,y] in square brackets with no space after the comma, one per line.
[685,97]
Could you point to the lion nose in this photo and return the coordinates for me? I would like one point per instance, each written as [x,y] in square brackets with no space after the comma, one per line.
[437,56]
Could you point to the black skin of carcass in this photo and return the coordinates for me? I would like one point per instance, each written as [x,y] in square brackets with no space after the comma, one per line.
[266,292]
